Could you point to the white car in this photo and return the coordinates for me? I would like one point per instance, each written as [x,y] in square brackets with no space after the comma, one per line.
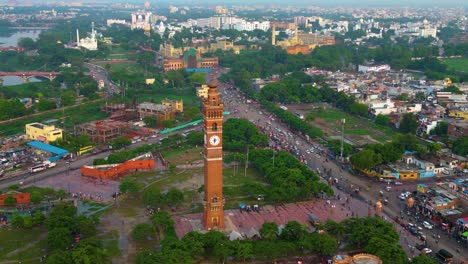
[426,250]
[427,225]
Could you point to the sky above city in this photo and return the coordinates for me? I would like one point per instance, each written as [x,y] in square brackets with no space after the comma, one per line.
[363,3]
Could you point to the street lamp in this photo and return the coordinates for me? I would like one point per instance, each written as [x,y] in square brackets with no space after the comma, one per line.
[343,121]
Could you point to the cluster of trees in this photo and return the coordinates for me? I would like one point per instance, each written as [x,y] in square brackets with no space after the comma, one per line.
[154,198]
[73,143]
[289,179]
[460,146]
[373,235]
[71,238]
[293,240]
[124,155]
[239,133]
[292,120]
[375,154]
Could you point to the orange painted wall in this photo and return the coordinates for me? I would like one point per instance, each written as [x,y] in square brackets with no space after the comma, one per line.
[119,170]
[21,198]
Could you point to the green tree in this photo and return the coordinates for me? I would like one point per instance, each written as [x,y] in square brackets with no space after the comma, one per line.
[386,251]
[9,200]
[242,250]
[453,89]
[67,98]
[197,77]
[402,97]
[460,146]
[422,259]
[36,197]
[382,120]
[38,218]
[60,257]
[59,238]
[174,196]
[86,227]
[359,109]
[28,221]
[142,231]
[366,159]
[129,185]
[222,250]
[269,231]
[150,121]
[193,242]
[153,197]
[408,124]
[192,113]
[161,221]
[441,129]
[195,138]
[17,221]
[293,231]
[120,142]
[44,105]
[323,244]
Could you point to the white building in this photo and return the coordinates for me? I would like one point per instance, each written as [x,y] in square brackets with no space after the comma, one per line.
[89,43]
[383,108]
[141,20]
[428,32]
[111,22]
[374,68]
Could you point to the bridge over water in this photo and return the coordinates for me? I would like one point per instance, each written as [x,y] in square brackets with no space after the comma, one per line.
[25,76]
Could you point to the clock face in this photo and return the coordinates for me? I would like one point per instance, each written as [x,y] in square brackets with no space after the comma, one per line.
[214,140]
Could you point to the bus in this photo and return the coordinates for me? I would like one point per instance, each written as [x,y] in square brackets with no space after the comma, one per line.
[300,115]
[37,168]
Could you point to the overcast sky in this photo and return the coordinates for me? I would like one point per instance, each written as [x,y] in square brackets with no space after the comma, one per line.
[363,3]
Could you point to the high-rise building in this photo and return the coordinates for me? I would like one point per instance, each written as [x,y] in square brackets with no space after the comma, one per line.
[213,203]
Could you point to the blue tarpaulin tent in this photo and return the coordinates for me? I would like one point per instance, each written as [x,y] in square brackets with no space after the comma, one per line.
[49,148]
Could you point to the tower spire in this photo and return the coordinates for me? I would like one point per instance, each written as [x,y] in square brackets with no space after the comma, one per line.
[273,35]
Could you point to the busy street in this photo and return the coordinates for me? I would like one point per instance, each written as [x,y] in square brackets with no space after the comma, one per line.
[364,192]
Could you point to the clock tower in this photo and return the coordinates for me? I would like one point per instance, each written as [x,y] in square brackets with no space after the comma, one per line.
[213,203]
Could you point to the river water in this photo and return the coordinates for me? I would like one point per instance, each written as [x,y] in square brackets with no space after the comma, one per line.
[12,40]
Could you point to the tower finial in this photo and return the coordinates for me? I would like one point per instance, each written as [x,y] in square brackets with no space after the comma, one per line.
[213,83]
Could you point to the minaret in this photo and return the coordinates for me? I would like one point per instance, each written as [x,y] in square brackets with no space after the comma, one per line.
[213,202]
[273,35]
[296,36]
[93,33]
[77,38]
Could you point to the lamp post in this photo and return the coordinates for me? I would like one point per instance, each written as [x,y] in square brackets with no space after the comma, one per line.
[343,121]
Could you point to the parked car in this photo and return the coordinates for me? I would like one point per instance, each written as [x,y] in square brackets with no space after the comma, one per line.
[427,225]
[426,251]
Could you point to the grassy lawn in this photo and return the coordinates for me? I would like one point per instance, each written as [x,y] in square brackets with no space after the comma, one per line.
[111,243]
[27,241]
[354,125]
[459,64]
[183,155]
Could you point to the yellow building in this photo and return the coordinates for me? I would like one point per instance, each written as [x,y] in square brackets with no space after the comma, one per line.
[41,132]
[202,91]
[457,113]
[175,105]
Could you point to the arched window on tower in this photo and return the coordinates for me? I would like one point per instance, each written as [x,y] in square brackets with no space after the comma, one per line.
[213,102]
[214,127]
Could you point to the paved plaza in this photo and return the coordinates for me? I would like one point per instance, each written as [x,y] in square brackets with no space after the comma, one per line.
[248,223]
[72,182]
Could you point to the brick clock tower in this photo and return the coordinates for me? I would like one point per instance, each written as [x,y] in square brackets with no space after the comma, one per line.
[213,203]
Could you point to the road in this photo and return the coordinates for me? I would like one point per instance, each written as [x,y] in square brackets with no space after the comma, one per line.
[99,73]
[369,189]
